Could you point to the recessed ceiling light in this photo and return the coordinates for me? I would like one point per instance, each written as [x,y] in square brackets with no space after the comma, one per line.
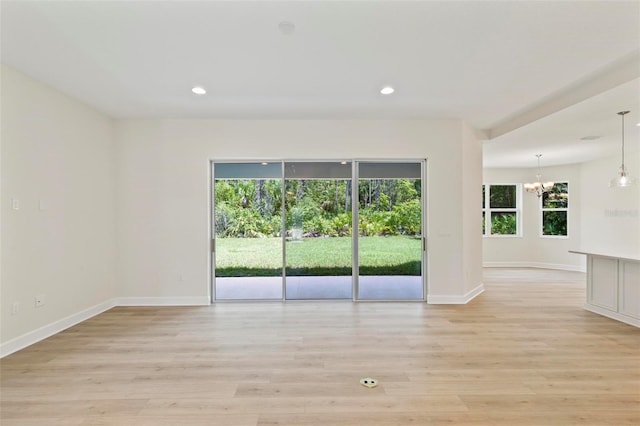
[199,90]
[638,124]
[264,164]
[286,27]
[387,90]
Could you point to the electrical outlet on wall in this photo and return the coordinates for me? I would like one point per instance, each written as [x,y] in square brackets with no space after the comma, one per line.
[39,300]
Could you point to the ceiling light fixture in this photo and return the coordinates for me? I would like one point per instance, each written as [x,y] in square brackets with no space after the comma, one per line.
[538,187]
[623,180]
[387,90]
[199,90]
[286,27]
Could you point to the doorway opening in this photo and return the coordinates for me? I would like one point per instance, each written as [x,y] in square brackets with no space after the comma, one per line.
[302,230]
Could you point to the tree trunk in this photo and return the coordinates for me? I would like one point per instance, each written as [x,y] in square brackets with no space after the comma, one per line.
[300,191]
[258,194]
[376,194]
[347,196]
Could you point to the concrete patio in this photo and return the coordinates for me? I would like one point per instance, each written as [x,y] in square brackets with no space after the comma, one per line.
[387,287]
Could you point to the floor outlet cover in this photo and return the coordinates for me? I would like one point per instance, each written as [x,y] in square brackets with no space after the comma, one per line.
[369,382]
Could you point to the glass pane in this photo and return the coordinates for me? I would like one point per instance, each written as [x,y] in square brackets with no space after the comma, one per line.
[504,223]
[263,170]
[248,243]
[557,197]
[318,238]
[317,170]
[484,223]
[502,196]
[389,170]
[554,223]
[390,232]
[483,196]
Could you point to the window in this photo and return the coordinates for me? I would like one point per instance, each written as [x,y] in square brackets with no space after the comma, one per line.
[554,206]
[500,210]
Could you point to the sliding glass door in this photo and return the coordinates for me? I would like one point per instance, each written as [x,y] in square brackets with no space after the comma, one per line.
[247,243]
[390,246]
[302,230]
[318,234]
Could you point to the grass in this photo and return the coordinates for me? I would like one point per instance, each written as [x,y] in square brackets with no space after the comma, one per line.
[396,255]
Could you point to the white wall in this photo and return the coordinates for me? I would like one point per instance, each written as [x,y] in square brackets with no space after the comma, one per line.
[163,193]
[58,161]
[118,213]
[610,217]
[530,249]
[472,196]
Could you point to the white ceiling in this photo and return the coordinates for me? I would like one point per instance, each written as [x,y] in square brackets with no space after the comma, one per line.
[498,65]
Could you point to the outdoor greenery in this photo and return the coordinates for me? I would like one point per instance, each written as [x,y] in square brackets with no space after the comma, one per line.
[554,210]
[502,211]
[504,223]
[557,197]
[317,226]
[554,222]
[251,208]
[391,255]
[502,196]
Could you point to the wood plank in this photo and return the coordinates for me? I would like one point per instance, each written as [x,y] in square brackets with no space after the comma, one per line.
[524,352]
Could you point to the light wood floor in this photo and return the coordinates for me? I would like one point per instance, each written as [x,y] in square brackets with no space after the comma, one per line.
[522,353]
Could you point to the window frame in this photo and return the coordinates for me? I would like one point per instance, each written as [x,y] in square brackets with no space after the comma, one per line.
[487,211]
[541,211]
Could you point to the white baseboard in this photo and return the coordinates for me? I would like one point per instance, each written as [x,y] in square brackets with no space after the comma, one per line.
[42,333]
[163,301]
[48,330]
[613,315]
[445,299]
[540,265]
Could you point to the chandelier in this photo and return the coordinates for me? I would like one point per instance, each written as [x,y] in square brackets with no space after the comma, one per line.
[538,187]
[622,180]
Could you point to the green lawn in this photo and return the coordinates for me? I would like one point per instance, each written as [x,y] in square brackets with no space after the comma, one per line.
[394,255]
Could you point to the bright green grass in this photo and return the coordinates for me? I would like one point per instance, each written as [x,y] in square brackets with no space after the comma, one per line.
[396,255]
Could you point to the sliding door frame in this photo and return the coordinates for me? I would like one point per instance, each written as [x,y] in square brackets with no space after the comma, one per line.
[354,227]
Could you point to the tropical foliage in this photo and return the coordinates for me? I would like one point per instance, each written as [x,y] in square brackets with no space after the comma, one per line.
[554,210]
[504,223]
[252,208]
[501,211]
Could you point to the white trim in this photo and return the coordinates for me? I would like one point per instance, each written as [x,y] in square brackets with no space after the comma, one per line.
[35,336]
[49,330]
[613,315]
[454,299]
[488,211]
[539,265]
[163,301]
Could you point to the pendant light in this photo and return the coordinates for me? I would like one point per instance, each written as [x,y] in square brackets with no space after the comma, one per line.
[623,180]
[538,187]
